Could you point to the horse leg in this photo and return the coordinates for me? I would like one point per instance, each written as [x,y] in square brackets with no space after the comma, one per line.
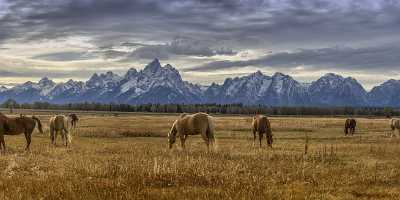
[28,139]
[260,135]
[269,140]
[183,140]
[65,135]
[206,140]
[55,137]
[254,137]
[2,142]
[62,136]
[52,134]
[66,138]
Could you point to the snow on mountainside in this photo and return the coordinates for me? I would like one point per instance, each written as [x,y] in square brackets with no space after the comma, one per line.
[386,94]
[141,87]
[257,88]
[163,84]
[335,90]
[3,88]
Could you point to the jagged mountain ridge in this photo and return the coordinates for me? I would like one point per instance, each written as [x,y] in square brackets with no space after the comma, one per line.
[163,84]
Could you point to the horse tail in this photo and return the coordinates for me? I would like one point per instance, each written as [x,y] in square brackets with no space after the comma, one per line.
[39,124]
[269,133]
[210,130]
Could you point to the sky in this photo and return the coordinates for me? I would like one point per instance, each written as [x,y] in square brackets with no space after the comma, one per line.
[206,40]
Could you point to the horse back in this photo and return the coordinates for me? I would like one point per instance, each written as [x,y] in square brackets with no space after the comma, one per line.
[193,124]
[350,123]
[58,122]
[261,123]
[19,125]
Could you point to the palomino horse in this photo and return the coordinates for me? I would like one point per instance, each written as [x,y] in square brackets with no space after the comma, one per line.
[59,123]
[350,124]
[395,125]
[195,124]
[262,125]
[16,126]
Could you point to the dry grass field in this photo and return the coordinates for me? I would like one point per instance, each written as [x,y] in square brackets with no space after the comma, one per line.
[126,157]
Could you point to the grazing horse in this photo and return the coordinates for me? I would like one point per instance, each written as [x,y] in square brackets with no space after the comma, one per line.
[261,125]
[16,126]
[395,125]
[350,124]
[195,124]
[59,123]
[73,119]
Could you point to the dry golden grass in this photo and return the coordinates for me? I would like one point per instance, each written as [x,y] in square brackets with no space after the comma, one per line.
[126,157]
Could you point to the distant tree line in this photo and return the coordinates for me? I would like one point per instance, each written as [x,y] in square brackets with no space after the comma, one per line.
[208,108]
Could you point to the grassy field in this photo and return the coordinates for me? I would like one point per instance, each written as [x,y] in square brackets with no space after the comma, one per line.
[126,157]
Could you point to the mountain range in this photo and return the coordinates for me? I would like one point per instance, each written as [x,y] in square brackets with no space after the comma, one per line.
[163,84]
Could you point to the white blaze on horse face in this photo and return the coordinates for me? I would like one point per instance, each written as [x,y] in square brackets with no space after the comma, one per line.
[172,133]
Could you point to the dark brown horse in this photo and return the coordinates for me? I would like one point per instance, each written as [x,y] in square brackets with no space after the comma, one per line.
[261,125]
[16,126]
[350,125]
[74,119]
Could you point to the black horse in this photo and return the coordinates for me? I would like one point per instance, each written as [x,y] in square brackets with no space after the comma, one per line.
[350,125]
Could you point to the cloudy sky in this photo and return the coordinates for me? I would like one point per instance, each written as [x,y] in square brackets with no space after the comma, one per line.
[206,40]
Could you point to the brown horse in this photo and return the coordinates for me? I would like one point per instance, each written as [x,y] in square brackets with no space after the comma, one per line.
[73,119]
[199,123]
[261,125]
[350,125]
[16,126]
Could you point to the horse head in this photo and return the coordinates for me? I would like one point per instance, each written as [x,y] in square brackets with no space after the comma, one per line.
[172,134]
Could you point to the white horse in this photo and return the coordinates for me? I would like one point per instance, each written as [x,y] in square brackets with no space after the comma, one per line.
[60,124]
[395,125]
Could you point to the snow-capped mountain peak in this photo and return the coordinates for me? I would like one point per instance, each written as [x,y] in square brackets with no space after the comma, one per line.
[333,89]
[152,67]
[386,94]
[103,80]
[45,82]
[131,73]
[157,84]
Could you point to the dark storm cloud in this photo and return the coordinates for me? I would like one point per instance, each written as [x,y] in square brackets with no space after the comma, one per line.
[65,56]
[180,47]
[214,25]
[237,22]
[383,57]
